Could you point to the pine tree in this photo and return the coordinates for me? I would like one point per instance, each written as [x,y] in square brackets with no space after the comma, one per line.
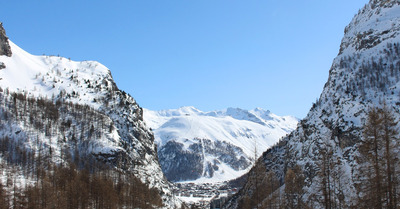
[370,149]
[389,128]
[380,148]
[4,202]
[325,174]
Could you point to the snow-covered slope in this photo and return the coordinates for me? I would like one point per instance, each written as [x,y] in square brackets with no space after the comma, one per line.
[129,145]
[366,73]
[213,146]
[47,76]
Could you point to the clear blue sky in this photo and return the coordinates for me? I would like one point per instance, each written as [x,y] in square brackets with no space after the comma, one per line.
[211,54]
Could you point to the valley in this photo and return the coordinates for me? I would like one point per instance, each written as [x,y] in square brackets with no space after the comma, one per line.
[71,138]
[201,152]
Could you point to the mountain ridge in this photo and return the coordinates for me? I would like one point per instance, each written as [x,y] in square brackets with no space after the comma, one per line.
[219,145]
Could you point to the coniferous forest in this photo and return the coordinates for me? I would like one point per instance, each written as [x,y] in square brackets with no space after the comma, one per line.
[69,177]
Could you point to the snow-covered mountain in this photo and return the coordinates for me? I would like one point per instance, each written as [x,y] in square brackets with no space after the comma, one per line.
[365,74]
[213,146]
[116,135]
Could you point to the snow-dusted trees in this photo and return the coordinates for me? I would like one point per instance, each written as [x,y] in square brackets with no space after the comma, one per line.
[4,202]
[69,187]
[379,180]
[389,134]
[45,154]
[377,74]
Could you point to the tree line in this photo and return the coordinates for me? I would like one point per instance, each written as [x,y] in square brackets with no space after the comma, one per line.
[55,186]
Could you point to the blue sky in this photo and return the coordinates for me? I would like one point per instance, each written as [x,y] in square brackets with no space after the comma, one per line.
[211,54]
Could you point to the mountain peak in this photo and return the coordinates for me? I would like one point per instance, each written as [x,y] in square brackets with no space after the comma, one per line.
[4,45]
[261,112]
[259,109]
[241,114]
[188,109]
[383,3]
[374,24]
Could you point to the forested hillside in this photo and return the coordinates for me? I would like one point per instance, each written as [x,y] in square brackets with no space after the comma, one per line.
[63,173]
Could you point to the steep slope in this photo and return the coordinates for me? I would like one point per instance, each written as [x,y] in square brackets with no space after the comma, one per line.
[365,74]
[128,144]
[213,146]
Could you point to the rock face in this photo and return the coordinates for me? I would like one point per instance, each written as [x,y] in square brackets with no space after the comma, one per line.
[365,74]
[181,164]
[4,45]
